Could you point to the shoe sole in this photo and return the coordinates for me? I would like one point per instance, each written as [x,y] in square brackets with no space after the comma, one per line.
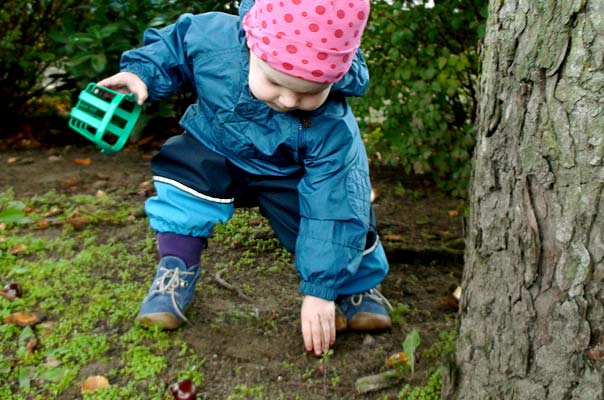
[369,322]
[164,320]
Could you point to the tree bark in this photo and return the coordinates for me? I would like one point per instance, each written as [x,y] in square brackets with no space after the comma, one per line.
[533,286]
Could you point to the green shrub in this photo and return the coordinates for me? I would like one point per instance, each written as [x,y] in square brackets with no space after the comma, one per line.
[27,51]
[62,45]
[424,66]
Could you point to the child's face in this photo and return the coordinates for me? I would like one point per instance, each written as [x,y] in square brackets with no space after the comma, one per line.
[284,92]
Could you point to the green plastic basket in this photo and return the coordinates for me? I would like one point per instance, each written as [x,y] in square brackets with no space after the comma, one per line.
[105,117]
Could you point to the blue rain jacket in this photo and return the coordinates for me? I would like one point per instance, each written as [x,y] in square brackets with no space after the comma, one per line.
[207,53]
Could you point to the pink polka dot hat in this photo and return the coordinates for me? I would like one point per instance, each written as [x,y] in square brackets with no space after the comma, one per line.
[310,39]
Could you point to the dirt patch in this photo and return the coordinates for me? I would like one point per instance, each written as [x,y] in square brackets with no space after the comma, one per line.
[257,341]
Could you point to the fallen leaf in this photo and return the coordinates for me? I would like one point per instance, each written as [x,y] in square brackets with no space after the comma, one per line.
[397,358]
[94,383]
[46,328]
[393,238]
[2,226]
[22,319]
[450,302]
[12,160]
[42,224]
[77,222]
[20,248]
[71,181]
[596,353]
[52,362]
[32,344]
[453,213]
[83,161]
[146,185]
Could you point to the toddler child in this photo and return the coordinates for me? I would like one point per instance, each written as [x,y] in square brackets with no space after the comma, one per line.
[270,128]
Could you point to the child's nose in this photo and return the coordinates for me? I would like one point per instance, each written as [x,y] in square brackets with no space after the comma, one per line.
[289,99]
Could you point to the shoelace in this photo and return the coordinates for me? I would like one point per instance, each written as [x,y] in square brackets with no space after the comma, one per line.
[174,281]
[174,276]
[373,294]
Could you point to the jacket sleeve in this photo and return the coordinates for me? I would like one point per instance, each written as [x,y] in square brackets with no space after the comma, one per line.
[162,61]
[356,80]
[334,198]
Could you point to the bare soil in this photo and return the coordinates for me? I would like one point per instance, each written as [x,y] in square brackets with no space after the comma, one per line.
[421,228]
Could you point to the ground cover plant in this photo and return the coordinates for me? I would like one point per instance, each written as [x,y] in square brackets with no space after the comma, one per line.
[74,238]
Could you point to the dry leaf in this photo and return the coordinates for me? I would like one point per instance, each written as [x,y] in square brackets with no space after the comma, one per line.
[54,211]
[146,185]
[450,302]
[12,160]
[20,248]
[22,319]
[457,292]
[46,328]
[42,224]
[93,383]
[32,344]
[596,354]
[52,362]
[77,222]
[397,358]
[71,181]
[393,238]
[82,161]
[2,226]
[453,213]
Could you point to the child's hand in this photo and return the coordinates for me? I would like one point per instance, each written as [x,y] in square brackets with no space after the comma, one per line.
[127,82]
[318,324]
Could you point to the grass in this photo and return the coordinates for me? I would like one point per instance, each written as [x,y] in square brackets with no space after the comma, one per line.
[87,291]
[82,262]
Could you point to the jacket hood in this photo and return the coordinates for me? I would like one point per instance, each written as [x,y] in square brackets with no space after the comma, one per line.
[244,7]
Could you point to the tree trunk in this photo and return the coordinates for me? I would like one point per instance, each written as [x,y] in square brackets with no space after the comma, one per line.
[533,293]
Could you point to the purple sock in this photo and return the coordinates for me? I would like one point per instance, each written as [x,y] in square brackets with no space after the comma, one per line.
[187,248]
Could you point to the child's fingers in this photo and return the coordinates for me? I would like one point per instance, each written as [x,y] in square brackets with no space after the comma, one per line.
[126,82]
[307,335]
[332,330]
[317,338]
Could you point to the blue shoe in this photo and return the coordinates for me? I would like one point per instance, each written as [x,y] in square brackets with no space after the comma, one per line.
[170,294]
[365,311]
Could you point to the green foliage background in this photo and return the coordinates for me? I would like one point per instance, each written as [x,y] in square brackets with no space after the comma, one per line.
[423,59]
[421,104]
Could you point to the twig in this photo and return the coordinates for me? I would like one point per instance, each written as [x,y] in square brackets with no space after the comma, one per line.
[343,389]
[227,285]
